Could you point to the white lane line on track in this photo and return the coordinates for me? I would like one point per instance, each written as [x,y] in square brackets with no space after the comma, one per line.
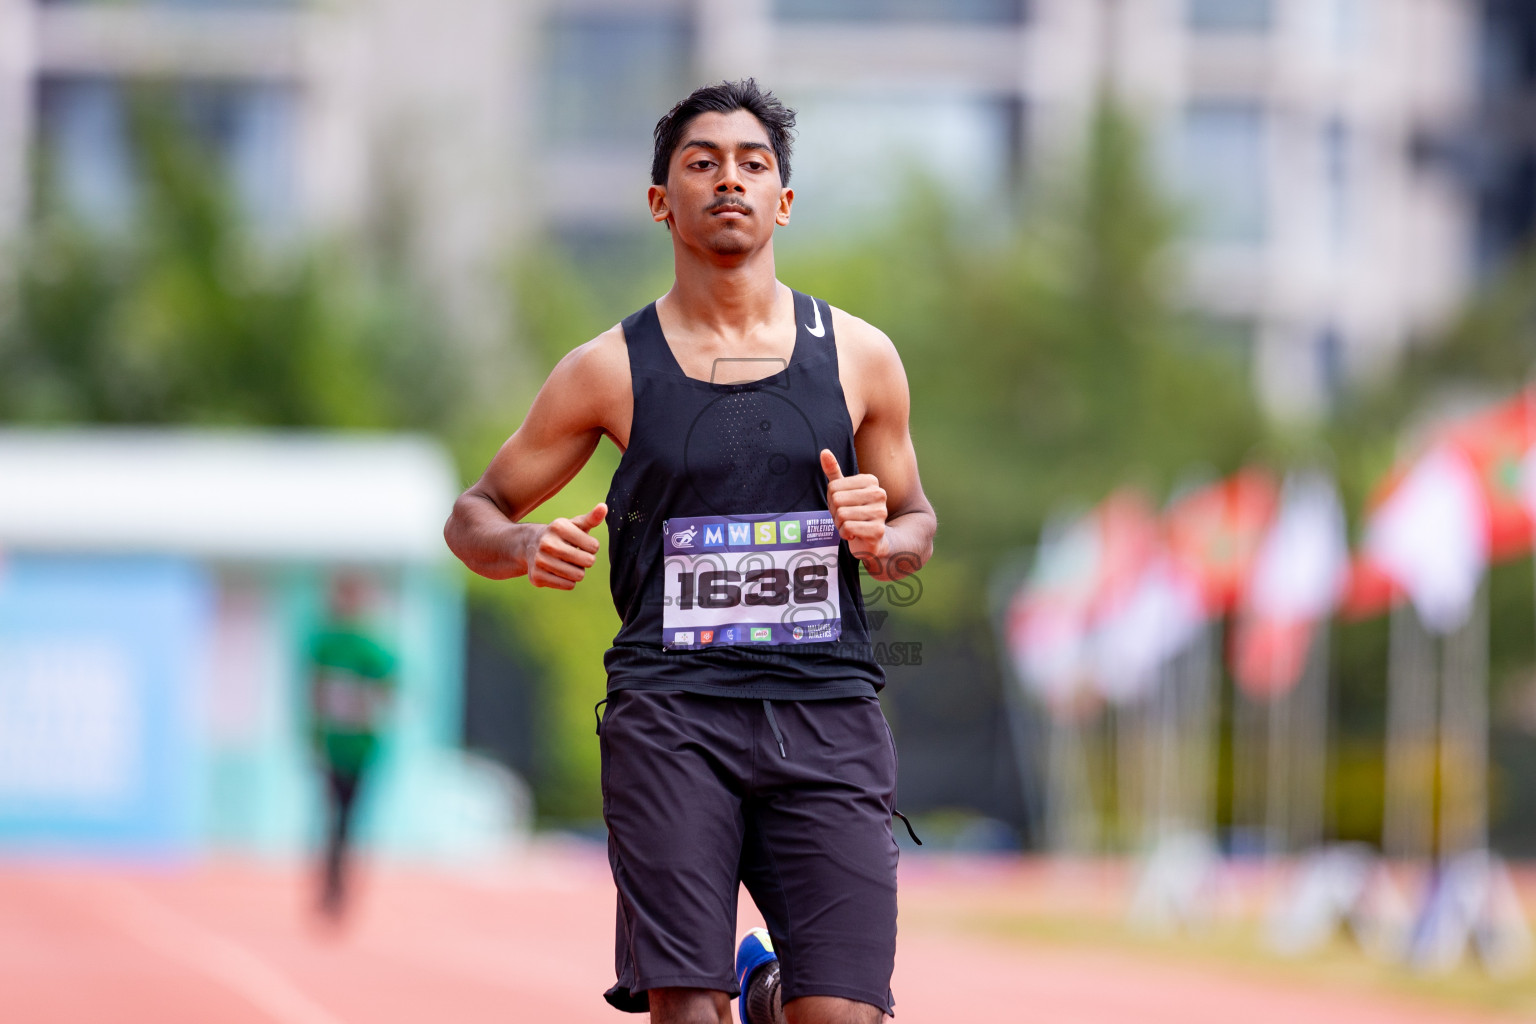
[180,938]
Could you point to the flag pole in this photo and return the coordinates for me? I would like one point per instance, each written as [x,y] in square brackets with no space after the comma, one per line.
[1309,821]
[1024,727]
[1249,746]
[1410,723]
[1205,723]
[1463,748]
[1163,753]
[1277,786]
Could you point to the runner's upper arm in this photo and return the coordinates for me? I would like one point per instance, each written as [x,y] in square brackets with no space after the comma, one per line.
[883,439]
[583,398]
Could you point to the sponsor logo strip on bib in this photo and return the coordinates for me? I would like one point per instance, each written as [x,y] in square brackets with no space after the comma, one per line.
[750,581]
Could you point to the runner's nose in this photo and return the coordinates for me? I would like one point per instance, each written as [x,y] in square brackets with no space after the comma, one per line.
[730,177]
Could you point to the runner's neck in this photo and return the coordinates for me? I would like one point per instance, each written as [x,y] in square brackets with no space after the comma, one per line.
[732,317]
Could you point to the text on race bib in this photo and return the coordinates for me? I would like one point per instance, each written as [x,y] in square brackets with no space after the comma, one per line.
[750,581]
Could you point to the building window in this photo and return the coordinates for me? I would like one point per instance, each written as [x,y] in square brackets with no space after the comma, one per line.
[1222,170]
[856,155]
[1328,346]
[1336,174]
[92,161]
[1506,217]
[611,76]
[179,3]
[1347,23]
[87,160]
[986,12]
[1230,15]
[1507,45]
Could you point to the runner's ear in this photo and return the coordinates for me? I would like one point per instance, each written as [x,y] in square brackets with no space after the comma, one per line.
[656,197]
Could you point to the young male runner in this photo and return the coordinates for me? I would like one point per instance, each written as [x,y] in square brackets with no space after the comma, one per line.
[766,454]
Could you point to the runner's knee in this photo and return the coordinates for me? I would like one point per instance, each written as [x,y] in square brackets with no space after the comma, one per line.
[689,1006]
[831,1010]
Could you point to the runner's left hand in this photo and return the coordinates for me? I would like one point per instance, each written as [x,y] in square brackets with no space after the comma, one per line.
[858,510]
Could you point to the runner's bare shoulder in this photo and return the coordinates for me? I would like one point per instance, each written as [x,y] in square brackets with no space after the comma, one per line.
[590,387]
[868,365]
[862,343]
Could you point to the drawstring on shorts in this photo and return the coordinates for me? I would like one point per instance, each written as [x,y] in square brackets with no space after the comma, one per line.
[773,723]
[778,737]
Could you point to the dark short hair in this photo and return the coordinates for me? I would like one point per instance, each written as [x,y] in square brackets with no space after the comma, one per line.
[778,119]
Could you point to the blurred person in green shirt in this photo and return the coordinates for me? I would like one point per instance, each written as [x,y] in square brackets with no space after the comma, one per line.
[352,681]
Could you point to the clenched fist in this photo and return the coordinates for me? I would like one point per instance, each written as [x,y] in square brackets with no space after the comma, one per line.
[560,554]
[858,510]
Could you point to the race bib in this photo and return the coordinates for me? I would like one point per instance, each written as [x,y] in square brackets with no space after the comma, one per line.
[344,700]
[756,582]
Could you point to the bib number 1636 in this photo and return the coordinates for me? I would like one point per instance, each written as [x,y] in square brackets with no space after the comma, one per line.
[727,588]
[750,581]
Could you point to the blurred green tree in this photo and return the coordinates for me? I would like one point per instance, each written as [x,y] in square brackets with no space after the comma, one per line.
[1047,366]
[188,316]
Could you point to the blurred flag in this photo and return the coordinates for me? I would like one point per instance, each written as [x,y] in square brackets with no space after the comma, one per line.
[1298,577]
[1128,538]
[1143,611]
[1301,565]
[1495,443]
[1214,535]
[1145,608]
[1495,446]
[1085,570]
[1155,618]
[1047,622]
[1527,483]
[1370,590]
[1268,656]
[1430,536]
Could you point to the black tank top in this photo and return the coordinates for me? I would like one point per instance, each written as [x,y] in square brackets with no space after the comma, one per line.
[721,545]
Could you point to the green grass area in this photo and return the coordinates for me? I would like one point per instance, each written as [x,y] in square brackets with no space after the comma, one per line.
[1237,949]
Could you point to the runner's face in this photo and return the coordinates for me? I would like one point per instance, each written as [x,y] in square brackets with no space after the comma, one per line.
[723,191]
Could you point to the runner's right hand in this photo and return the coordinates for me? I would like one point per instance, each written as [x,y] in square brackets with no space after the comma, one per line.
[561,553]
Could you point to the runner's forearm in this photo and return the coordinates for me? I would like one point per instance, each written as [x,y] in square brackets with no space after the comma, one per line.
[910,540]
[486,540]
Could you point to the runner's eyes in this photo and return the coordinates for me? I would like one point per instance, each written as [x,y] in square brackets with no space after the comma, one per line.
[706,164]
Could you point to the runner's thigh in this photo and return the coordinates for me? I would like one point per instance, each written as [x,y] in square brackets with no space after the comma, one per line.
[819,857]
[672,803]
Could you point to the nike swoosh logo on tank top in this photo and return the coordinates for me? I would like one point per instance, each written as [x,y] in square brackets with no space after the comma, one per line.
[817,331]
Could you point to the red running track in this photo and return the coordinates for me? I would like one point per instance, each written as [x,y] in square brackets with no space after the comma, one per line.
[531,940]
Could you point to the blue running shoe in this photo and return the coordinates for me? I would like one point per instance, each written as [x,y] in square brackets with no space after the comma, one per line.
[757,973]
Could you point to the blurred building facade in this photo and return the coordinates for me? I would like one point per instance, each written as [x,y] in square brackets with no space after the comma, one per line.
[1503,153]
[338,117]
[1300,134]
[1293,133]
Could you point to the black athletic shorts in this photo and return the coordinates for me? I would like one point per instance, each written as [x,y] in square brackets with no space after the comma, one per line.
[698,798]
